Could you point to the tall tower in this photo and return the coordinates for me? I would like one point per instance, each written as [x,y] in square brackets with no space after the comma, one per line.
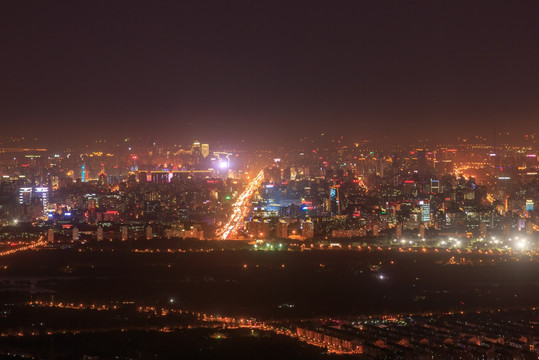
[335,201]
[83,172]
[205,150]
[42,193]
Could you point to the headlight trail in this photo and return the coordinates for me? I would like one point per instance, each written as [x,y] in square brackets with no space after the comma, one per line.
[240,208]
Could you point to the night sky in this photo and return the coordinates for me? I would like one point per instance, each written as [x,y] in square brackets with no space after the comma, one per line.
[268,69]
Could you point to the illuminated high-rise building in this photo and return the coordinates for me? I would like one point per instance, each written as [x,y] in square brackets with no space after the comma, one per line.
[83,173]
[195,148]
[42,194]
[425,212]
[25,195]
[38,196]
[205,150]
[434,186]
[334,199]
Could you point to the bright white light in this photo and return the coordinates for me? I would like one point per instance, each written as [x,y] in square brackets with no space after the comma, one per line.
[223,164]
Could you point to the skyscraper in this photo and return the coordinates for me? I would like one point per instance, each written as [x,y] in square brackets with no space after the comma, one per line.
[205,150]
[42,195]
[25,195]
[334,199]
[38,197]
[83,173]
[195,148]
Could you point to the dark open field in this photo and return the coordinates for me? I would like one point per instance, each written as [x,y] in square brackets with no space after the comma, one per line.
[263,283]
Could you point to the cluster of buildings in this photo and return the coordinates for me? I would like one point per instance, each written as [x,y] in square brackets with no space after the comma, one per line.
[127,190]
[465,195]
[324,189]
[470,336]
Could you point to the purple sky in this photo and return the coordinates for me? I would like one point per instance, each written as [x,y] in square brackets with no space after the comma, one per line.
[195,69]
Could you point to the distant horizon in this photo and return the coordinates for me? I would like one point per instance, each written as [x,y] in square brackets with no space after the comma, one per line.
[74,71]
[58,142]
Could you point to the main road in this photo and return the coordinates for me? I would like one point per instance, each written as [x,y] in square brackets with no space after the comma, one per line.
[240,209]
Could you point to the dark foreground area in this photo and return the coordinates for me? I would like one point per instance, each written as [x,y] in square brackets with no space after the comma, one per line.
[91,302]
[274,284]
[184,344]
[490,335]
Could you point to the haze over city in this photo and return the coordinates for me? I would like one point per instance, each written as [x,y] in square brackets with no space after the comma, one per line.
[179,69]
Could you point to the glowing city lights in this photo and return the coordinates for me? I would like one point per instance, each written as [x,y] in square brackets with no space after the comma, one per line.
[40,242]
[240,208]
